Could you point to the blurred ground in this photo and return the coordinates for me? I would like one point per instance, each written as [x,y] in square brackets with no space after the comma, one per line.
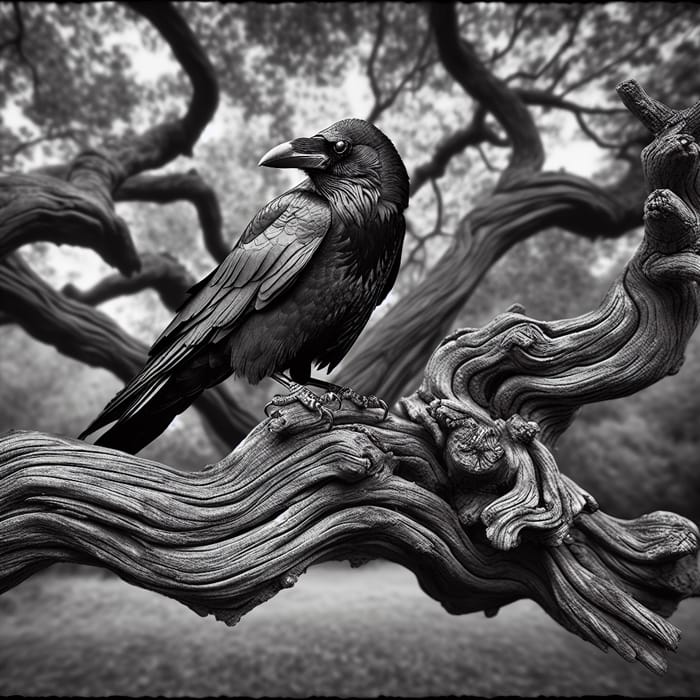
[339,631]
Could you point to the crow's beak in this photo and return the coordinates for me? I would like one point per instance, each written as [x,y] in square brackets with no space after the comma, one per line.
[301,153]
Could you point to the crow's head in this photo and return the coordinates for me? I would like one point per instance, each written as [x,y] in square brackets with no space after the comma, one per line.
[349,150]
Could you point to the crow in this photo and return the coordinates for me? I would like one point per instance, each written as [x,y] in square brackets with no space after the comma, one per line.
[296,290]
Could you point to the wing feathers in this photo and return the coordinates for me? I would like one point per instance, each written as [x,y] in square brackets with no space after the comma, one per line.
[274,248]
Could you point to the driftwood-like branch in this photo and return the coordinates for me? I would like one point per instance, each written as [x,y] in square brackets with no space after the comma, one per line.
[477,534]
[390,355]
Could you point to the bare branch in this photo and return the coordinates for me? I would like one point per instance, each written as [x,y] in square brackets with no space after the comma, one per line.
[161,272]
[518,26]
[544,98]
[467,69]
[380,105]
[472,135]
[489,166]
[162,143]
[38,207]
[653,114]
[189,186]
[626,56]
[378,39]
[593,136]
[436,232]
[554,58]
[70,134]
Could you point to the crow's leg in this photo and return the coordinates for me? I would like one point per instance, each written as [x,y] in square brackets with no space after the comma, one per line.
[303,395]
[345,392]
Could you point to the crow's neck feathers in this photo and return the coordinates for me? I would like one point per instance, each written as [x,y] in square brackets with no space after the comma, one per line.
[353,200]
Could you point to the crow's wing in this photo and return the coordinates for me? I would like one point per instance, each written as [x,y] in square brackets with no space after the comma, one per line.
[274,248]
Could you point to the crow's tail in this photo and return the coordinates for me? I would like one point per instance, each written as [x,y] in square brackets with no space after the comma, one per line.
[135,432]
[148,404]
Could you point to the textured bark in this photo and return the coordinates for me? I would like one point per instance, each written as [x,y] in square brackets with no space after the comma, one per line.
[390,355]
[41,208]
[188,186]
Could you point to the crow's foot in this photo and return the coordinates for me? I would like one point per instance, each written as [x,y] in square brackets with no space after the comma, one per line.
[307,398]
[341,393]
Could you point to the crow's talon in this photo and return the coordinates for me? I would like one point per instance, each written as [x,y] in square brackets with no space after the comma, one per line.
[363,401]
[306,398]
[326,415]
[331,397]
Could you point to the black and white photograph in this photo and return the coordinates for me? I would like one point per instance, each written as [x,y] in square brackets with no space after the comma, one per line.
[348,349]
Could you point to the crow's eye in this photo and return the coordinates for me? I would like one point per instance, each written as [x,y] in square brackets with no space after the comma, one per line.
[341,147]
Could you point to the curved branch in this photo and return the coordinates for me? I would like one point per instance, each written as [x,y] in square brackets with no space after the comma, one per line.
[371,75]
[390,355]
[640,44]
[94,175]
[165,189]
[467,69]
[91,337]
[474,134]
[161,144]
[38,207]
[380,105]
[518,26]
[189,186]
[161,272]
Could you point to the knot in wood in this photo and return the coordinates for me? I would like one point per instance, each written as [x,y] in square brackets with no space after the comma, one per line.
[522,430]
[473,451]
[672,161]
[670,225]
[523,336]
[288,580]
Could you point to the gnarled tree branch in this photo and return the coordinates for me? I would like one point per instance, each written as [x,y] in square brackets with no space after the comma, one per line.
[389,356]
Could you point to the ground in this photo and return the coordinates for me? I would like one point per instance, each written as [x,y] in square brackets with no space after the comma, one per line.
[340,631]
